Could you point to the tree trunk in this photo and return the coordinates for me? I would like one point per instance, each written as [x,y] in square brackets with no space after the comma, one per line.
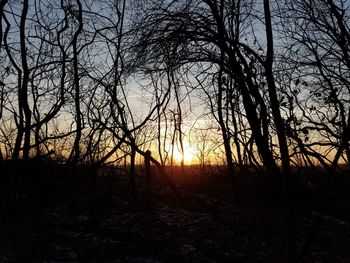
[288,186]
[148,174]
[76,147]
[225,135]
[132,174]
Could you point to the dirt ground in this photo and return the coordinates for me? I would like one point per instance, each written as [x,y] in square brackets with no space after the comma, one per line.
[206,223]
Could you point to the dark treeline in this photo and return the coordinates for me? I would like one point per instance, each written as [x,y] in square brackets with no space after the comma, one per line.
[273,75]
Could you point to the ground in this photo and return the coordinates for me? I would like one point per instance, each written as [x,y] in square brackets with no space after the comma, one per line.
[206,222]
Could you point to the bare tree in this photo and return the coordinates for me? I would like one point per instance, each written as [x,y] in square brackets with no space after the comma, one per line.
[318,66]
[213,32]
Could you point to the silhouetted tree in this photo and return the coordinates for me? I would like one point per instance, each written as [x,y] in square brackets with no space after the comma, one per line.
[213,32]
[318,63]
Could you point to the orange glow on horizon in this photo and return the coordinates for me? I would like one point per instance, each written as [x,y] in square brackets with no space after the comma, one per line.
[189,154]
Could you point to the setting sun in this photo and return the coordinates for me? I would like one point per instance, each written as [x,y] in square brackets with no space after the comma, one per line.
[188,154]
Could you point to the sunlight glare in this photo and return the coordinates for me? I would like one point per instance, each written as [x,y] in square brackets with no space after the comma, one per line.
[188,154]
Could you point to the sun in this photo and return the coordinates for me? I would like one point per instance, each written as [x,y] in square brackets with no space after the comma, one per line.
[188,154]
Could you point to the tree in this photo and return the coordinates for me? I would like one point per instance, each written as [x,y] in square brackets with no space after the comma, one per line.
[319,65]
[211,33]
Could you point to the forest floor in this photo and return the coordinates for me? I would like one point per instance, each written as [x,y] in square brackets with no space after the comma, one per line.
[209,223]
